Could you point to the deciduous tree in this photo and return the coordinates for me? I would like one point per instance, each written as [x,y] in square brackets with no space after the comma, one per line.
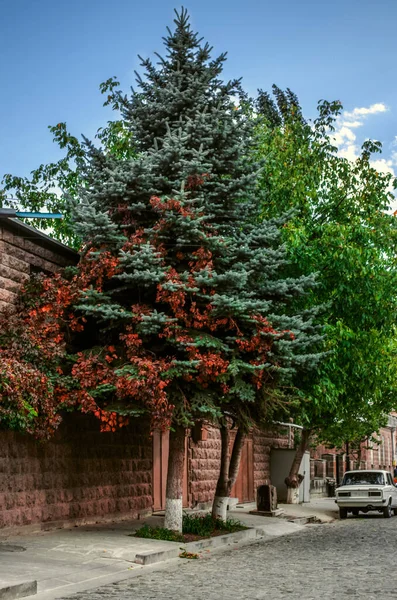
[342,228]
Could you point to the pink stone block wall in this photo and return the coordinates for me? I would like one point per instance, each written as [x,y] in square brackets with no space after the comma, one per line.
[81,475]
[204,462]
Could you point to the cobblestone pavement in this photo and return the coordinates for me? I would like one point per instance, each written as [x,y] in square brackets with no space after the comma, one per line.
[355,559]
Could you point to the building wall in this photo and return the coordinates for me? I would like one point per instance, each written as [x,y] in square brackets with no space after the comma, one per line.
[203,467]
[23,252]
[330,463]
[80,476]
[204,461]
[83,475]
[263,444]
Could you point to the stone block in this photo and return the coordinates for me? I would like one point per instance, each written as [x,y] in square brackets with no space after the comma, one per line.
[266,498]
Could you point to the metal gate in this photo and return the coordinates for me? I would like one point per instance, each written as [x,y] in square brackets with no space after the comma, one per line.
[243,489]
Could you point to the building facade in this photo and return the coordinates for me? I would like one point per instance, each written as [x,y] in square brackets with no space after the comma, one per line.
[377,453]
[83,475]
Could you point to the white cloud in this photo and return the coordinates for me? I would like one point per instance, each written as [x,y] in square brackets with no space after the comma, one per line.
[344,133]
[379,107]
[349,151]
[383,165]
[345,138]
[352,124]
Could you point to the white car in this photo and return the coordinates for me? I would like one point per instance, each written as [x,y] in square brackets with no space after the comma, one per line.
[367,490]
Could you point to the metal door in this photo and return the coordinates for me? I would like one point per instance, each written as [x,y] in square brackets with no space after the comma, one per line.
[243,489]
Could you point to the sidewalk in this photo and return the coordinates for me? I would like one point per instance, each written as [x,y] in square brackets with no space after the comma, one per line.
[68,560]
[323,509]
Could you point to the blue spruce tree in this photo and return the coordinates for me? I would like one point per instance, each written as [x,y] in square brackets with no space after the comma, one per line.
[199,305]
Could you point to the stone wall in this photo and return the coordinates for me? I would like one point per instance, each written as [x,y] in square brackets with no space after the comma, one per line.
[24,251]
[263,442]
[203,467]
[81,476]
[204,460]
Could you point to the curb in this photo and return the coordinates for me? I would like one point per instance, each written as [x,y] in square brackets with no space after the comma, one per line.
[149,558]
[18,590]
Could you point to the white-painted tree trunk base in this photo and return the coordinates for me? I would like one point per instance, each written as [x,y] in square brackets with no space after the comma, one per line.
[173,514]
[219,508]
[293,495]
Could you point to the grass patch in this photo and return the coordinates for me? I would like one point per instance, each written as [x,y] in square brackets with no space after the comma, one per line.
[159,533]
[206,525]
[195,527]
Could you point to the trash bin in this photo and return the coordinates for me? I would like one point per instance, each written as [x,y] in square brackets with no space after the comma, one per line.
[331,486]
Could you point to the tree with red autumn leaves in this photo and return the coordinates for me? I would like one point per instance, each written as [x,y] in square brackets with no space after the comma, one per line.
[180,308]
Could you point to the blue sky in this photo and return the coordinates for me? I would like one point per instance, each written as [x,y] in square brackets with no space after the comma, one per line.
[55,54]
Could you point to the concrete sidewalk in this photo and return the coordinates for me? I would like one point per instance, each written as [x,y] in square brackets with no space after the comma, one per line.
[323,509]
[68,560]
[58,559]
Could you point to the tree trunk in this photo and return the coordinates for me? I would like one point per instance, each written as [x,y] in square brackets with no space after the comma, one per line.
[237,451]
[228,471]
[294,479]
[174,490]
[219,506]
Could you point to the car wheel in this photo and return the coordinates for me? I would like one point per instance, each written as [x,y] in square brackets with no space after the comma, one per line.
[387,511]
[355,512]
[395,511]
[343,513]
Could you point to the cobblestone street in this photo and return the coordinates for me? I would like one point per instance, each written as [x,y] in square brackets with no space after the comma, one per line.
[355,558]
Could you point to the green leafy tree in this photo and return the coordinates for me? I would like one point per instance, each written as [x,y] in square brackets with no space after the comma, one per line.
[341,228]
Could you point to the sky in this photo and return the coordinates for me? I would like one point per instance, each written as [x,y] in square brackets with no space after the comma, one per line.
[56,53]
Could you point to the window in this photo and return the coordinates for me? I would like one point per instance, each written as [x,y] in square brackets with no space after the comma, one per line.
[364,478]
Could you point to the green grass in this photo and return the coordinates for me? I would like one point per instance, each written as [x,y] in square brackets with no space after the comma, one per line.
[159,533]
[201,525]
[205,525]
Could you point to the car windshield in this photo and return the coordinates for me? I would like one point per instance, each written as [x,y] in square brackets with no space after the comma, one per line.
[363,478]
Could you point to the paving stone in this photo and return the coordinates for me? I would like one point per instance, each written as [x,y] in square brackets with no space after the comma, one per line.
[345,559]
